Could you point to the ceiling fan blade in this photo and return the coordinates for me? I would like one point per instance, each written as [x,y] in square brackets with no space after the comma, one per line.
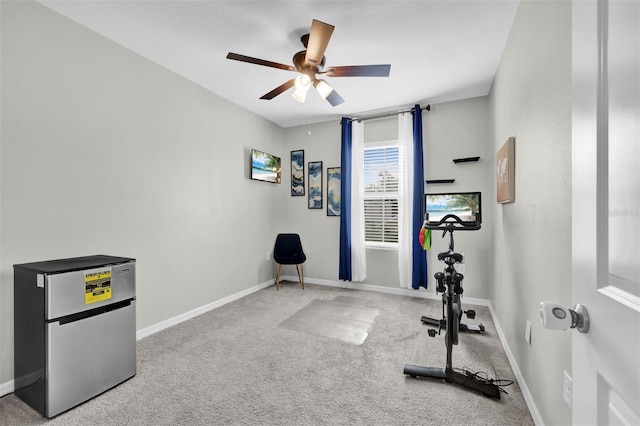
[318,40]
[283,87]
[249,59]
[359,71]
[334,99]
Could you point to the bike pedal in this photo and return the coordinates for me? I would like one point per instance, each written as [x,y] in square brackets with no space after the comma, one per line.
[432,332]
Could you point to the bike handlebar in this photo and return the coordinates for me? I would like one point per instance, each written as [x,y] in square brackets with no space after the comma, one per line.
[452,222]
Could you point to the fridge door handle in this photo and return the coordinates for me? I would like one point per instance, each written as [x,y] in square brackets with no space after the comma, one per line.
[92,312]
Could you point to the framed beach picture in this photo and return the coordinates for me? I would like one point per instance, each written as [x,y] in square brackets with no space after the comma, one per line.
[506,172]
[297,173]
[333,191]
[315,184]
[265,167]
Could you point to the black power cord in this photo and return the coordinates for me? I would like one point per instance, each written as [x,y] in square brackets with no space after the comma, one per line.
[482,376]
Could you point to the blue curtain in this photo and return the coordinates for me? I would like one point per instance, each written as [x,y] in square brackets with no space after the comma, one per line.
[419,273]
[344,272]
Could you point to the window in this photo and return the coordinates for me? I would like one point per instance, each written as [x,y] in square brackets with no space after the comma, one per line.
[381,173]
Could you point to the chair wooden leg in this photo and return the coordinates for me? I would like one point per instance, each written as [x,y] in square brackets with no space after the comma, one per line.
[278,278]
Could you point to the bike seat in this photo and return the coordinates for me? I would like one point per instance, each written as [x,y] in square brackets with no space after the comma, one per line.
[456,256]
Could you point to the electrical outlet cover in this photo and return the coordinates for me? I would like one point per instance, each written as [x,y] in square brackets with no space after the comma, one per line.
[461,266]
[567,388]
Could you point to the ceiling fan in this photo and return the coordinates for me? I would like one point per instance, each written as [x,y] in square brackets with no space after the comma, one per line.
[310,63]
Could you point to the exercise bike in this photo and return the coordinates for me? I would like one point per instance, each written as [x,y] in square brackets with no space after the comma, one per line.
[450,258]
[449,283]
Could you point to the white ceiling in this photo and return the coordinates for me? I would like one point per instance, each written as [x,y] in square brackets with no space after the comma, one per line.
[439,50]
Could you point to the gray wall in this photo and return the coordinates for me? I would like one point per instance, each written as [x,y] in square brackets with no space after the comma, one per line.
[450,130]
[458,130]
[531,246]
[105,152]
[318,232]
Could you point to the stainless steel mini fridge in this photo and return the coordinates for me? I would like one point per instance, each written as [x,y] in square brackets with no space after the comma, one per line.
[74,329]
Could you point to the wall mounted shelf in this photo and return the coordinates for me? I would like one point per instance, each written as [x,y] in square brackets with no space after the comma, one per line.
[466,160]
[432,181]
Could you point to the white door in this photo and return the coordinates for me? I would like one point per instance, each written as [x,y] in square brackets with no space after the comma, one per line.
[606,210]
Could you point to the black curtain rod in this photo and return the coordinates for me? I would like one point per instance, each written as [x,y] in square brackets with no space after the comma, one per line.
[388,114]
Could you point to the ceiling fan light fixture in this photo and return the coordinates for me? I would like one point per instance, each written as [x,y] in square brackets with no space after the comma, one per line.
[299,95]
[323,88]
[302,84]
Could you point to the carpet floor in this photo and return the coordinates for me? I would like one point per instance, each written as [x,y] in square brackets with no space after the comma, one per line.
[240,365]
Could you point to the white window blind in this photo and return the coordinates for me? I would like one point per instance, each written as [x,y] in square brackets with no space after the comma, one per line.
[381,174]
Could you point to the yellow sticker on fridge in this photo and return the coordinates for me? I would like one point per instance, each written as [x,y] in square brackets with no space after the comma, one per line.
[97,286]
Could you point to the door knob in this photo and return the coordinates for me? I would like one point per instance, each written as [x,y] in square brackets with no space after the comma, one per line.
[558,317]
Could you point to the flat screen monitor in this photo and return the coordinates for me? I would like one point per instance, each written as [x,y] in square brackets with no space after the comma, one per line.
[466,205]
[265,167]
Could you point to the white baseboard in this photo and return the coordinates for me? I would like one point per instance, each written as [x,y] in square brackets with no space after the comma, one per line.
[148,331]
[8,387]
[533,409]
[397,291]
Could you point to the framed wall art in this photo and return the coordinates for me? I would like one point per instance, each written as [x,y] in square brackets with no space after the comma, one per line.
[333,191]
[265,167]
[297,173]
[315,184]
[506,172]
